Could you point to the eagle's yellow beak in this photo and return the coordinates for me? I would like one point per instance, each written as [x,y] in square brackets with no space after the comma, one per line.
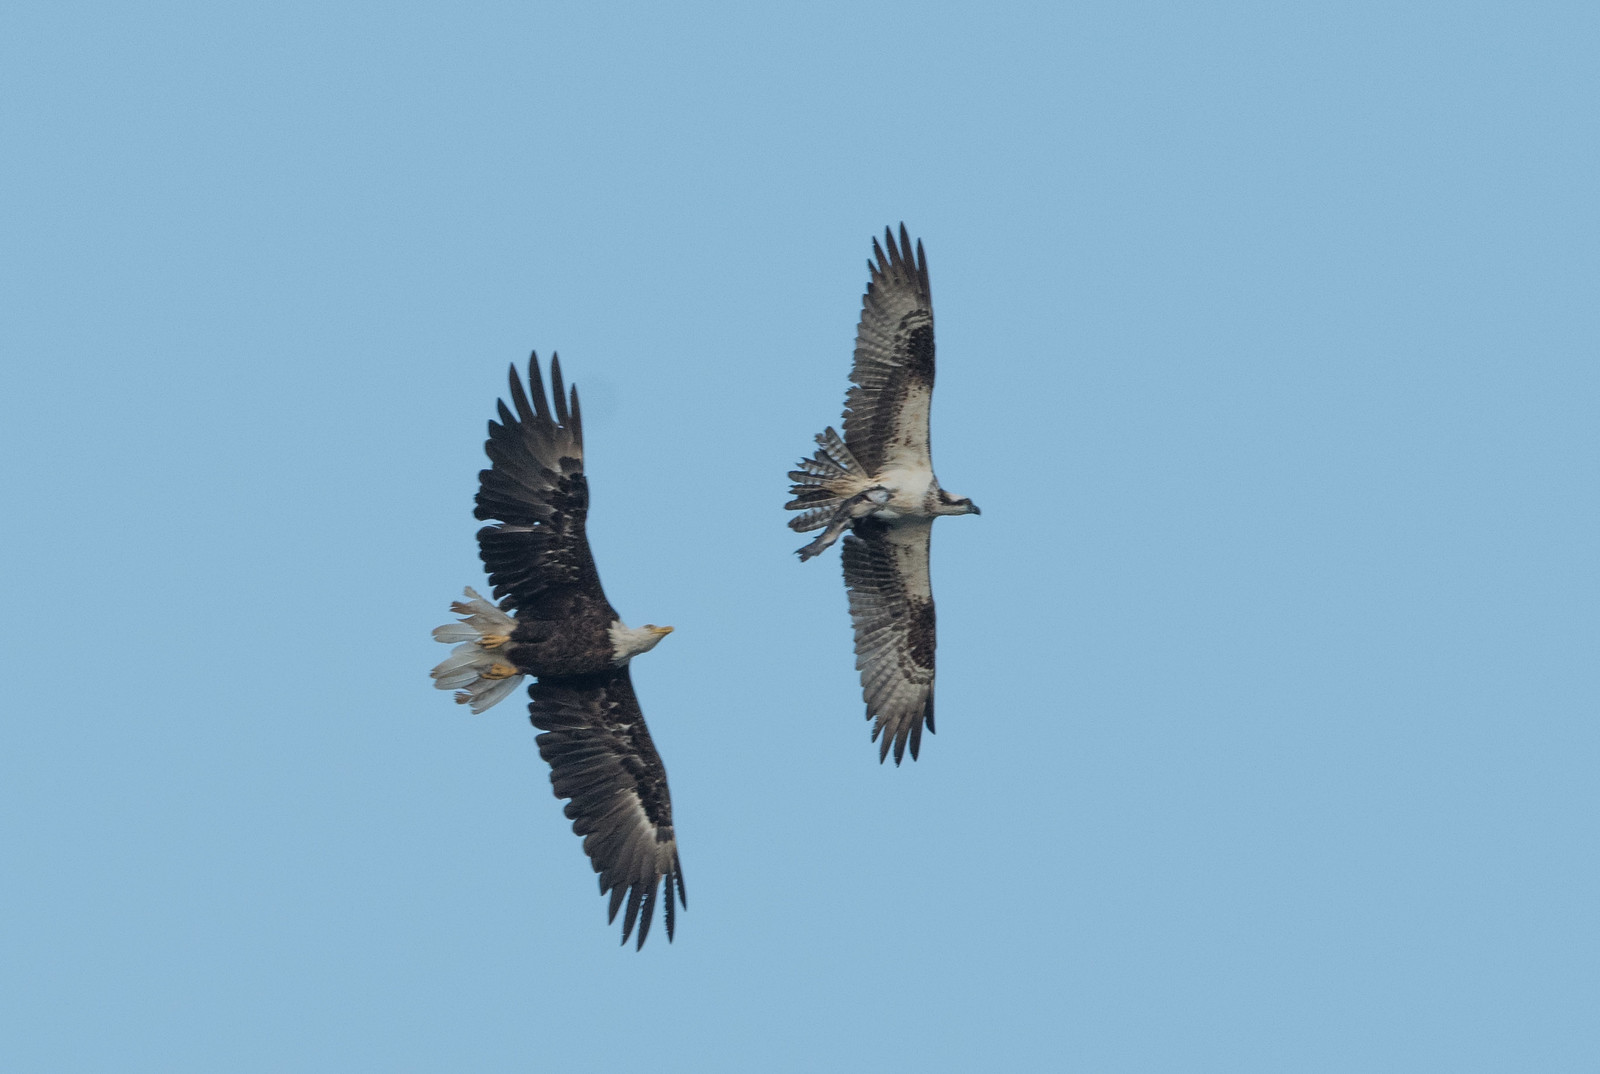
[663,631]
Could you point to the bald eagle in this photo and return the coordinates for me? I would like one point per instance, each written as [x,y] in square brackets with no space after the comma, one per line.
[877,482]
[553,622]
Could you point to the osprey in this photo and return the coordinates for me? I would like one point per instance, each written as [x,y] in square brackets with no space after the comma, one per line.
[553,622]
[877,482]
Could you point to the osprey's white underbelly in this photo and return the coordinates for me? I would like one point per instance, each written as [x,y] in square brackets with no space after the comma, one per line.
[910,491]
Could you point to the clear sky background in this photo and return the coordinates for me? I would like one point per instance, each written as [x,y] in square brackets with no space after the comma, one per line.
[1268,710]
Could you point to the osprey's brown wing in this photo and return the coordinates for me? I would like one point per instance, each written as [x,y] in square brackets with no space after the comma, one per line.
[891,606]
[886,408]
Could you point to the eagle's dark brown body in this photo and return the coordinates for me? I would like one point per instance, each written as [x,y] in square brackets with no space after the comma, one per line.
[549,648]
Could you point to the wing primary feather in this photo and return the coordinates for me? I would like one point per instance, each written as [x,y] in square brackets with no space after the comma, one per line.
[558,389]
[647,910]
[617,894]
[541,408]
[519,398]
[632,913]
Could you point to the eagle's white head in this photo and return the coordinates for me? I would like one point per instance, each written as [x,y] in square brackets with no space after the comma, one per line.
[627,642]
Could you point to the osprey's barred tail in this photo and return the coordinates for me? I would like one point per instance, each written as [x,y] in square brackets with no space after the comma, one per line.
[823,482]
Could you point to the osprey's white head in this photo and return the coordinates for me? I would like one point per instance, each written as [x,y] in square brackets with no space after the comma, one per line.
[627,643]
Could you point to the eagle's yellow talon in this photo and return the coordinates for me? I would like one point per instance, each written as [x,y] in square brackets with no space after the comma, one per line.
[493,641]
[499,671]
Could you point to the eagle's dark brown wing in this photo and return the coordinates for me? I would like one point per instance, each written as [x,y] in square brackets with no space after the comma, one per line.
[538,557]
[601,757]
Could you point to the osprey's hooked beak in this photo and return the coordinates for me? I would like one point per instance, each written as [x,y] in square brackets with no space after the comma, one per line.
[972,508]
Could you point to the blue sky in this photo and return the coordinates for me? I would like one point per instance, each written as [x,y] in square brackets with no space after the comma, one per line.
[1267,341]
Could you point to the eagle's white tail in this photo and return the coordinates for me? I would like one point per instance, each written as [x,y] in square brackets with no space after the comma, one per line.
[477,668]
[823,482]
